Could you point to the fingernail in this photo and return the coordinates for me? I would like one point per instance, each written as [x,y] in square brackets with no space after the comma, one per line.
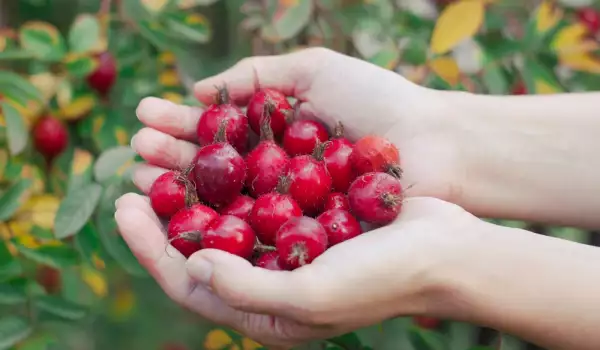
[200,270]
[132,142]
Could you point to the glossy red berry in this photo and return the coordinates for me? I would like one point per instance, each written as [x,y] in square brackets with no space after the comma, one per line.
[170,193]
[186,227]
[376,198]
[231,234]
[281,110]
[211,119]
[50,137]
[337,160]
[269,261]
[427,322]
[340,225]
[301,137]
[240,207]
[336,200]
[103,78]
[299,241]
[590,17]
[375,153]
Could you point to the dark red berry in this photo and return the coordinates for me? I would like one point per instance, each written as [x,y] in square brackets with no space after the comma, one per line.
[171,192]
[50,278]
[310,182]
[281,110]
[103,78]
[375,198]
[267,162]
[427,322]
[301,137]
[187,226]
[340,225]
[299,241]
[231,234]
[269,261]
[240,207]
[337,160]
[219,171]
[589,17]
[50,137]
[272,210]
[519,89]
[336,200]
[215,114]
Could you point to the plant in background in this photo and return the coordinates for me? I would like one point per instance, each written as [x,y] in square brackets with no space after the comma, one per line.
[69,87]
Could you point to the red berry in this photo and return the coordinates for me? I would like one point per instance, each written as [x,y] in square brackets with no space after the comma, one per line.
[375,153]
[270,211]
[337,160]
[336,200]
[279,115]
[519,89]
[170,193]
[427,322]
[240,207]
[231,234]
[50,137]
[376,198]
[269,261]
[267,162]
[215,114]
[103,78]
[310,182]
[590,18]
[219,171]
[340,226]
[299,241]
[302,136]
[49,278]
[187,226]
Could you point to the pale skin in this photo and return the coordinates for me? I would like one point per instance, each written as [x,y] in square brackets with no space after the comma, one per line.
[525,157]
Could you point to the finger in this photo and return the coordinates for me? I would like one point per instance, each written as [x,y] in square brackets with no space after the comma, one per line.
[162,149]
[288,73]
[173,119]
[144,176]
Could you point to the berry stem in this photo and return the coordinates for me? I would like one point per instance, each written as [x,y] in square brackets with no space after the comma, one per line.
[263,248]
[222,97]
[221,135]
[391,200]
[395,171]
[320,150]
[283,185]
[338,131]
[291,114]
[266,133]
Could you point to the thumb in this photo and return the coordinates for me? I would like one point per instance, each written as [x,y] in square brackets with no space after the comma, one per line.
[248,288]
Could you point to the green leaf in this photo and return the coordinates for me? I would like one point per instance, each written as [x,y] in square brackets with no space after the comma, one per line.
[81,170]
[87,242]
[190,26]
[13,198]
[16,129]
[9,266]
[43,40]
[43,341]
[348,341]
[186,4]
[13,85]
[386,58]
[61,307]
[494,78]
[423,339]
[571,234]
[112,162]
[76,209]
[539,79]
[154,32]
[461,335]
[13,329]
[55,256]
[80,66]
[10,295]
[415,51]
[289,18]
[84,34]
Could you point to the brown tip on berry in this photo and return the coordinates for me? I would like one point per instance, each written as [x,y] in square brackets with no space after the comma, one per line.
[191,196]
[391,200]
[291,114]
[221,135]
[395,171]
[338,131]
[222,96]
[266,133]
[299,252]
[320,149]
[283,185]
[262,248]
[191,236]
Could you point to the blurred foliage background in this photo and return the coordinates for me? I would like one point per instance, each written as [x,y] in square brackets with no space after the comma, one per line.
[67,279]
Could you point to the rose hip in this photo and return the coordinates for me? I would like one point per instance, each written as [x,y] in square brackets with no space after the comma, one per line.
[281,110]
[301,137]
[589,17]
[215,114]
[186,227]
[231,234]
[240,207]
[310,182]
[337,160]
[269,261]
[103,78]
[340,226]
[171,192]
[267,162]
[299,241]
[272,210]
[336,200]
[376,198]
[219,171]
[50,137]
[375,153]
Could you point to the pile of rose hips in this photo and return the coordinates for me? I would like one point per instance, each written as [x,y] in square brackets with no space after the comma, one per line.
[284,202]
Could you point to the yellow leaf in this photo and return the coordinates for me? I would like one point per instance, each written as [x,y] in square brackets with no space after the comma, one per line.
[547,16]
[173,97]
[78,107]
[234,347]
[582,62]
[35,173]
[169,78]
[155,5]
[40,210]
[64,95]
[3,43]
[123,304]
[572,39]
[82,160]
[47,83]
[5,234]
[121,136]
[249,344]
[542,87]
[3,161]
[217,339]
[196,18]
[166,58]
[446,68]
[30,113]
[459,20]
[95,280]
[98,124]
